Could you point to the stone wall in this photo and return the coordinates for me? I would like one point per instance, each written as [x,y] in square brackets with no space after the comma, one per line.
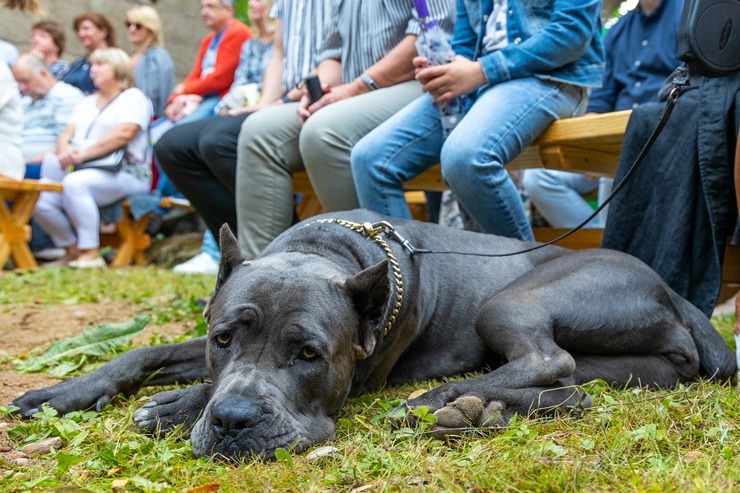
[183,28]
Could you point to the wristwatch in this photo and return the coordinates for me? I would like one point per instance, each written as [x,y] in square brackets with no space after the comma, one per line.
[369,82]
[286,99]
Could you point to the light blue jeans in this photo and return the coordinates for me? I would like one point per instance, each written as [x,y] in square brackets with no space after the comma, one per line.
[558,196]
[503,121]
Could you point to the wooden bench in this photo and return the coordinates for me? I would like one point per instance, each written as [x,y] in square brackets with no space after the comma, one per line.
[587,144]
[15,232]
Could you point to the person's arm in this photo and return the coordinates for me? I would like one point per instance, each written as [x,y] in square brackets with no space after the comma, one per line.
[227,59]
[272,80]
[603,99]
[195,71]
[114,139]
[564,39]
[394,68]
[165,73]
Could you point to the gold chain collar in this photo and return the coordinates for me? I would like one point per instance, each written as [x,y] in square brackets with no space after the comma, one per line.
[372,231]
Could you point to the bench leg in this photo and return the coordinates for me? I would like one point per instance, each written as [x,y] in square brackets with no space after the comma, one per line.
[134,240]
[15,233]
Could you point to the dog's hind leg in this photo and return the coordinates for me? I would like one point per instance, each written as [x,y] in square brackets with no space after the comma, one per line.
[537,375]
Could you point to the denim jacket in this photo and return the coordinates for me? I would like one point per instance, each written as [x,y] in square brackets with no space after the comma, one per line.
[558,40]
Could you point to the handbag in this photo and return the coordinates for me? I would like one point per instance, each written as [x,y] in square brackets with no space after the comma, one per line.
[111,162]
[709,37]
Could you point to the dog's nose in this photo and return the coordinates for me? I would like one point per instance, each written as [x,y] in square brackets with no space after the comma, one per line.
[233,414]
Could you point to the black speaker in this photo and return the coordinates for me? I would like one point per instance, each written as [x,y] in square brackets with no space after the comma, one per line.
[709,36]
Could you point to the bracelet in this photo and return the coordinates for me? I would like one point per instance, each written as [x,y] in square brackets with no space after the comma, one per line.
[369,82]
[286,99]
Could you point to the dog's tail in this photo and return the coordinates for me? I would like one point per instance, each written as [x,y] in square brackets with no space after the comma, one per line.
[715,357]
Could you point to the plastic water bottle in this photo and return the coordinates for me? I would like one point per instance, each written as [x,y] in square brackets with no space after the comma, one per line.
[433,44]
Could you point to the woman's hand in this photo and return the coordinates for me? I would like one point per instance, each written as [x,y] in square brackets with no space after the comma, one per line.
[69,155]
[448,81]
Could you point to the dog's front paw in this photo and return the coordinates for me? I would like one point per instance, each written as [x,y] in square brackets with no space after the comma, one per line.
[167,410]
[466,414]
[76,394]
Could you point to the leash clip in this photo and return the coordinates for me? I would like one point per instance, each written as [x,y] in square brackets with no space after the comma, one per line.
[373,229]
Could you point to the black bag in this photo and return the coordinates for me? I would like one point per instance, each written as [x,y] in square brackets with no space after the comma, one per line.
[709,36]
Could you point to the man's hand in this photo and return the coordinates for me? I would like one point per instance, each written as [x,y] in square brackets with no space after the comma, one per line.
[331,95]
[448,81]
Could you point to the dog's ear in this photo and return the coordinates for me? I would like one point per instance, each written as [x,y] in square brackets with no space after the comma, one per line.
[231,258]
[369,291]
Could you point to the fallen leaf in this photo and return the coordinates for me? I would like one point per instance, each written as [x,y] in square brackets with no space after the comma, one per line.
[206,488]
[691,456]
[416,393]
[119,484]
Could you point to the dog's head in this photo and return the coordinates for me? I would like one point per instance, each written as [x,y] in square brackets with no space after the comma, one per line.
[285,332]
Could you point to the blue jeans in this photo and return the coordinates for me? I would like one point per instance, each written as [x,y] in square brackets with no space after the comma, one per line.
[503,121]
[558,196]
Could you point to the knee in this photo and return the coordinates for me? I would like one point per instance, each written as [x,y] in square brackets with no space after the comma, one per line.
[165,147]
[75,184]
[464,168]
[363,158]
[532,181]
[209,147]
[312,141]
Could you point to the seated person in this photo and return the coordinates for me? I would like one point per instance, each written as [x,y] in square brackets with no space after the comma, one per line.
[367,77]
[12,164]
[116,116]
[210,144]
[94,31]
[213,71]
[47,105]
[535,66]
[640,54]
[48,42]
[201,157]
[8,52]
[153,66]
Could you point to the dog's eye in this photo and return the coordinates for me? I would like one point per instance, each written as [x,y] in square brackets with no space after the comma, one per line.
[308,354]
[222,340]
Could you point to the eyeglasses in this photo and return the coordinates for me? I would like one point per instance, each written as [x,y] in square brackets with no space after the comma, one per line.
[135,25]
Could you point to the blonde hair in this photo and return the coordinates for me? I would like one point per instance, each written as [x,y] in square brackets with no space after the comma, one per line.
[149,18]
[121,63]
[269,21]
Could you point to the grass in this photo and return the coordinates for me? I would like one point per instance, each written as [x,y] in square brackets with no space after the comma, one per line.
[685,439]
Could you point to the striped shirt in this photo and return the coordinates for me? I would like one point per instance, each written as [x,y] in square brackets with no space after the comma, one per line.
[305,23]
[364,31]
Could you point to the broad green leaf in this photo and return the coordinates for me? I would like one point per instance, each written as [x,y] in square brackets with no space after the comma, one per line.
[98,341]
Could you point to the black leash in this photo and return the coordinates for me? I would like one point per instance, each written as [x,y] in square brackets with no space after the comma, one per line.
[681,79]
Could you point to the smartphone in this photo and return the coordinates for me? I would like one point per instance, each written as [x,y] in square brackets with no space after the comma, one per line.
[313,85]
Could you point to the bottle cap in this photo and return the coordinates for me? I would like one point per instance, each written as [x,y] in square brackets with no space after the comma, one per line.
[421,8]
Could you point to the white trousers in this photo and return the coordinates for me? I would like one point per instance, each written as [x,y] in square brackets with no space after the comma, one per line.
[72,216]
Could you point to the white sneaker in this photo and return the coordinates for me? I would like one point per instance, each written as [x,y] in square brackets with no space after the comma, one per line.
[200,264]
[49,253]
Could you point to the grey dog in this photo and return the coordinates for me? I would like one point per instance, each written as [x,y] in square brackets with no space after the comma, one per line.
[345,303]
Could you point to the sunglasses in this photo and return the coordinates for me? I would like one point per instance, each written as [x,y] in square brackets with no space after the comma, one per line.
[135,25]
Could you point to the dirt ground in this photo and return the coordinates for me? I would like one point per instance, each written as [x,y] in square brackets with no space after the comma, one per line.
[25,328]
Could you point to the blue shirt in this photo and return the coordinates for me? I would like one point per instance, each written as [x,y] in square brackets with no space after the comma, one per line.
[78,75]
[557,40]
[640,54]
